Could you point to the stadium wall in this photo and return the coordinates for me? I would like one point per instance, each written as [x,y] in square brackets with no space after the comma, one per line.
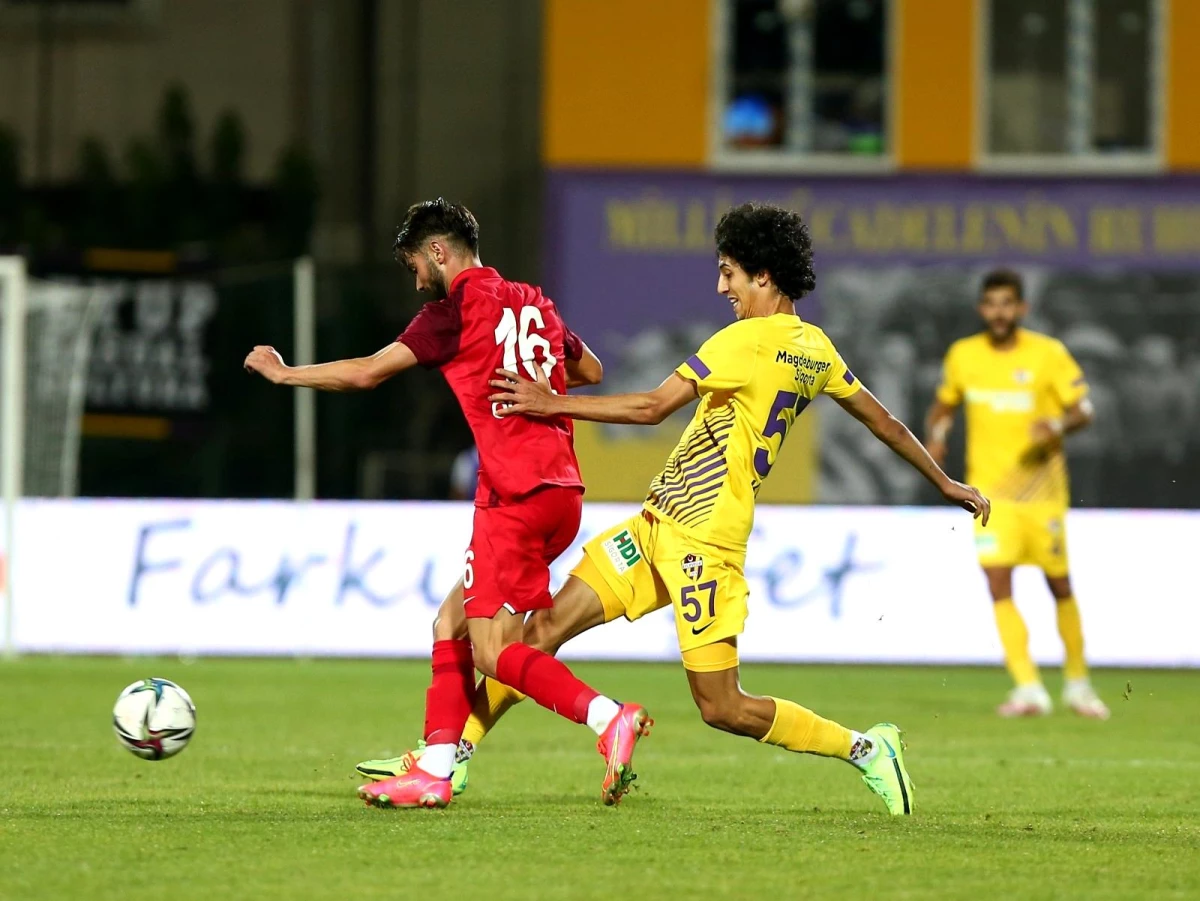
[1182,76]
[896,585]
[627,83]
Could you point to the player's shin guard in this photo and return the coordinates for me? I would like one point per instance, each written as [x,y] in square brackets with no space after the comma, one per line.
[1070,629]
[448,701]
[548,681]
[799,729]
[492,700]
[1015,639]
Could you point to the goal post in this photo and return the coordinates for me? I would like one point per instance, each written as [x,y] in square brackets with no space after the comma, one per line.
[304,320]
[14,300]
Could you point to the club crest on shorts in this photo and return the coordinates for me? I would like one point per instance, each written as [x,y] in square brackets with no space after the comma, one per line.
[693,566]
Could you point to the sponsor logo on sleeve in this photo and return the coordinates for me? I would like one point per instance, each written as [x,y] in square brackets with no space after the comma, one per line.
[622,551]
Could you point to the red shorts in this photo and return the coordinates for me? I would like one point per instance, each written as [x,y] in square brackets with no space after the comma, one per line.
[512,547]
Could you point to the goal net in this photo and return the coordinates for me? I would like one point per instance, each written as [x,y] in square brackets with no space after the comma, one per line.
[47,380]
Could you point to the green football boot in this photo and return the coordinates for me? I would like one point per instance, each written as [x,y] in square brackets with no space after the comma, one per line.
[378,770]
[885,773]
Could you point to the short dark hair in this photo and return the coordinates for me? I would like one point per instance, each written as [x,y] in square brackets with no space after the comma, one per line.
[1003,278]
[433,219]
[762,237]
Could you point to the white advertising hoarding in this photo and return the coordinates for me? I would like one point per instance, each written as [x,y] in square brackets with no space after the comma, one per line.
[364,579]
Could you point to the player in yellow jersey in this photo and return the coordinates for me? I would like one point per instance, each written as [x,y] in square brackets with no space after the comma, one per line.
[687,546]
[1023,392]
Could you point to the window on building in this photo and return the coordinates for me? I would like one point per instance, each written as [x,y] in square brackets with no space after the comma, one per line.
[804,78]
[1072,78]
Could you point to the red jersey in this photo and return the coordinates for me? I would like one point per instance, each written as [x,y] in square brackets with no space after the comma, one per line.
[484,324]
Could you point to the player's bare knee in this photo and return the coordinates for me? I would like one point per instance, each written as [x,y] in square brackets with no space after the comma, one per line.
[737,717]
[542,632]
[451,622]
[486,656]
[718,711]
[1000,592]
[711,712]
[999,580]
[742,719]
[441,629]
[721,718]
[449,628]
[1060,587]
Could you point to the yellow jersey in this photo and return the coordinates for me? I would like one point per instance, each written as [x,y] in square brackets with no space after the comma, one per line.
[1005,392]
[754,378]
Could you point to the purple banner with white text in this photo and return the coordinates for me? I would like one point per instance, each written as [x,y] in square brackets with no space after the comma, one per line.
[1112,268]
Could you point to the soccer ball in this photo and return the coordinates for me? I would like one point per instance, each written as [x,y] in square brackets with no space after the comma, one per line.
[154,718]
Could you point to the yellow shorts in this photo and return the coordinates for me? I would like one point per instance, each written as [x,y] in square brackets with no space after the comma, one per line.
[1020,534]
[644,564]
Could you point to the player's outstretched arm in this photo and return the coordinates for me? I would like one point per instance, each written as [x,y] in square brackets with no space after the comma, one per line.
[518,395]
[864,407]
[357,374]
[587,370]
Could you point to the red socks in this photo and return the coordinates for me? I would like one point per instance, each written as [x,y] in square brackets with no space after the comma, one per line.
[529,671]
[448,701]
[546,680]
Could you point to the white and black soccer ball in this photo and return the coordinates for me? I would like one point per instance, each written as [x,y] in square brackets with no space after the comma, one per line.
[154,718]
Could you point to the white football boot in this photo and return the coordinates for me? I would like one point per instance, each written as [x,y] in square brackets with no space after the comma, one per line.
[1079,696]
[1027,700]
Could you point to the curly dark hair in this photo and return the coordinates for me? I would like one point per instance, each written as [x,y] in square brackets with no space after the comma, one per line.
[762,237]
[1003,278]
[435,219]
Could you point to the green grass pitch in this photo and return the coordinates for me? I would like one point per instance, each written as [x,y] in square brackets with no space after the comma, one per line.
[262,804]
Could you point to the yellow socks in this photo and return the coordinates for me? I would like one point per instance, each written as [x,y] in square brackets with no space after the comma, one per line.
[492,700]
[1015,639]
[1070,629]
[799,729]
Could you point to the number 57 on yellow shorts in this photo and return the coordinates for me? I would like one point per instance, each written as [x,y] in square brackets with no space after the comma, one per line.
[645,563]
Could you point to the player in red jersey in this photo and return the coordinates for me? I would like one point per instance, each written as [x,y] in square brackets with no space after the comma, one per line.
[527,506]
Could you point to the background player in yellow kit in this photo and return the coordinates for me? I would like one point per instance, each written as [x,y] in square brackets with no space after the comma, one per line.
[1023,392]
